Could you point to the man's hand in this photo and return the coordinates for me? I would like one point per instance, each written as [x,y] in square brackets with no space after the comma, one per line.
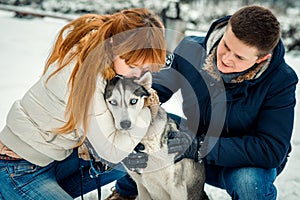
[184,144]
[137,159]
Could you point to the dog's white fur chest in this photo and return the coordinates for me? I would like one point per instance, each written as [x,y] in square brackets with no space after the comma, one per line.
[162,179]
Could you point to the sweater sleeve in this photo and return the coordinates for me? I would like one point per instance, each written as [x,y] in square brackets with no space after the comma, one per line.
[109,143]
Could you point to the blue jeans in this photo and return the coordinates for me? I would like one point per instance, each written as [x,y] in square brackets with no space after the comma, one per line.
[248,183]
[243,183]
[126,186]
[21,180]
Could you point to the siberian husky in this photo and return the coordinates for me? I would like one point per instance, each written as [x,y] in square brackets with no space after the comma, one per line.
[161,179]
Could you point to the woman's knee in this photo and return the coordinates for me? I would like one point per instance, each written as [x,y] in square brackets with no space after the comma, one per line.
[250,183]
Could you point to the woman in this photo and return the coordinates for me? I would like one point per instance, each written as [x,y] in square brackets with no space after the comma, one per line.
[38,145]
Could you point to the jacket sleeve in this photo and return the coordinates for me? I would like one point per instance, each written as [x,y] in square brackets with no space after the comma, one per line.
[173,77]
[163,81]
[269,145]
[109,143]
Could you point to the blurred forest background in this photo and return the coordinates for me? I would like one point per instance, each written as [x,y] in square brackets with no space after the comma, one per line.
[184,16]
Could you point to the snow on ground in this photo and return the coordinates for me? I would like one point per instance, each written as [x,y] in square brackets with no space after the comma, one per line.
[24,47]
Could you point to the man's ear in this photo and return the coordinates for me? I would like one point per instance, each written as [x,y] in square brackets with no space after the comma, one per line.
[145,80]
[261,59]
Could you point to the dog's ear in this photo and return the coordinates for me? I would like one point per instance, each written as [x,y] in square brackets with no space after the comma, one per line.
[145,80]
[110,85]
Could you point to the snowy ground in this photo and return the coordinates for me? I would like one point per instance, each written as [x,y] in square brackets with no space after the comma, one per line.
[24,47]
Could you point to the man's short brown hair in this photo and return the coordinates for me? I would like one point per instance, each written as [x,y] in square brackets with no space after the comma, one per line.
[256,26]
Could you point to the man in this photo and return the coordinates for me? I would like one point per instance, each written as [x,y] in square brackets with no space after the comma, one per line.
[237,91]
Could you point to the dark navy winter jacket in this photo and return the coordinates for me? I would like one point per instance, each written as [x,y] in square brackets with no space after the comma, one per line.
[254,118]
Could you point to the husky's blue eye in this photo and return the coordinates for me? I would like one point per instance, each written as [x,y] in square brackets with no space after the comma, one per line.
[113,102]
[133,101]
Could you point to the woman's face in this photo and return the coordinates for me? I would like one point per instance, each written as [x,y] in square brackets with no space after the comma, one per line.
[123,69]
[235,56]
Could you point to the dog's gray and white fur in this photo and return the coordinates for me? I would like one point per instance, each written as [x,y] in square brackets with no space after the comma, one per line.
[161,179]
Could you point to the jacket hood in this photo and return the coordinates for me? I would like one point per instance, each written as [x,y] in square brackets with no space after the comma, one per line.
[215,33]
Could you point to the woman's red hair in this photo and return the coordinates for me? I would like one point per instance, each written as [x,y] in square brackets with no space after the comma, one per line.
[91,41]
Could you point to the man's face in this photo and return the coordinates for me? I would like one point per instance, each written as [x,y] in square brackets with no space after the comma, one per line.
[235,56]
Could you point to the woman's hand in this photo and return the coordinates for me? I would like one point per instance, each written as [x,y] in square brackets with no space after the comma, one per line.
[137,159]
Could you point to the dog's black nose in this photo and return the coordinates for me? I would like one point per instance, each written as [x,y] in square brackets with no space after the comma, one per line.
[125,124]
